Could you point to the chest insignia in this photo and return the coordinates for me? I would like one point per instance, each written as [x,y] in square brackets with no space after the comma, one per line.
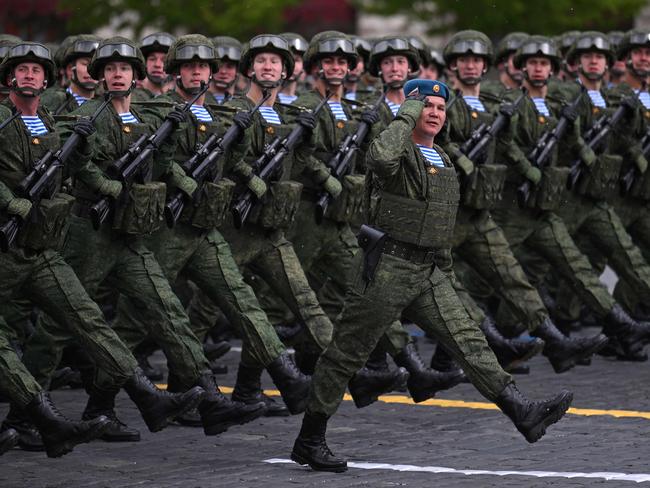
[432,170]
[541,119]
[474,114]
[340,124]
[126,129]
[270,130]
[36,141]
[202,128]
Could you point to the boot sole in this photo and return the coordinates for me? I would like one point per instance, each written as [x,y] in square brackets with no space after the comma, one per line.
[222,427]
[567,364]
[297,458]
[193,402]
[539,347]
[421,396]
[536,432]
[68,445]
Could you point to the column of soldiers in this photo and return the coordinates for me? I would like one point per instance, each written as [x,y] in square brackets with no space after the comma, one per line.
[322,195]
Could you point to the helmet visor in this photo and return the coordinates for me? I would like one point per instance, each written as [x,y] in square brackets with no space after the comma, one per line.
[640,38]
[297,44]
[37,50]
[541,48]
[334,45]
[201,51]
[123,50]
[85,47]
[162,39]
[593,42]
[396,44]
[474,46]
[277,42]
[231,52]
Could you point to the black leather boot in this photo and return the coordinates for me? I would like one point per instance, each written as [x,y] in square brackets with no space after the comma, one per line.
[142,352]
[214,351]
[509,352]
[306,359]
[159,407]
[248,390]
[59,434]
[29,439]
[564,352]
[311,448]
[8,440]
[218,413]
[532,418]
[103,403]
[442,361]
[628,336]
[293,385]
[367,385]
[423,382]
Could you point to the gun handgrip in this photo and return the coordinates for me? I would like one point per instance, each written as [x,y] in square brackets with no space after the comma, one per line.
[99,212]
[173,209]
[523,194]
[8,233]
[321,207]
[241,209]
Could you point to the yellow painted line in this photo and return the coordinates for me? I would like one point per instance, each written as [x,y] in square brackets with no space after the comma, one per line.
[433,402]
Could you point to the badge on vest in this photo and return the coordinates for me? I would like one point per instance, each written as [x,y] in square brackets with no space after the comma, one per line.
[202,128]
[541,119]
[270,130]
[36,141]
[340,124]
[595,110]
[126,129]
[432,170]
[474,114]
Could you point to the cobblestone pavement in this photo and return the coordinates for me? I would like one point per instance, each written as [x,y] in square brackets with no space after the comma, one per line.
[416,439]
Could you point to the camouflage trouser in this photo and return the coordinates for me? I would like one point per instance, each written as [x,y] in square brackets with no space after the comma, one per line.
[481,243]
[206,259]
[540,239]
[15,380]
[126,264]
[422,294]
[269,255]
[51,284]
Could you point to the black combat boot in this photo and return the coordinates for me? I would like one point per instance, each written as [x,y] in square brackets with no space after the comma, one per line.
[423,382]
[142,352]
[442,361]
[29,439]
[564,352]
[367,385]
[59,434]
[532,418]
[8,440]
[293,385]
[509,352]
[248,390]
[214,351]
[218,413]
[306,358]
[191,418]
[159,407]
[627,336]
[103,403]
[311,448]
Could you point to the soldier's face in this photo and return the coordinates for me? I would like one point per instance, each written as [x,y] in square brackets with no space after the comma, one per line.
[29,75]
[538,68]
[640,58]
[227,72]
[118,75]
[155,65]
[593,63]
[433,116]
[268,67]
[469,66]
[515,73]
[81,67]
[430,72]
[334,67]
[193,73]
[394,68]
[297,66]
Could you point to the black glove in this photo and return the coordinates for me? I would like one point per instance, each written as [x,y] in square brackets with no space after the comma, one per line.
[176,116]
[507,109]
[370,117]
[417,95]
[570,113]
[631,102]
[84,127]
[307,120]
[243,120]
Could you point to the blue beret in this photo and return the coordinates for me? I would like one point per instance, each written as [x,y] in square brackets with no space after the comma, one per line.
[431,88]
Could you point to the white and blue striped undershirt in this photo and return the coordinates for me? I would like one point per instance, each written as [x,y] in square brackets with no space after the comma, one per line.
[394,107]
[337,110]
[34,124]
[431,155]
[541,106]
[351,95]
[78,98]
[286,99]
[644,98]
[597,98]
[128,118]
[270,115]
[219,98]
[474,103]
[201,113]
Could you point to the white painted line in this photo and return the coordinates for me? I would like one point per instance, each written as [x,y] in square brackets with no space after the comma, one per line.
[638,478]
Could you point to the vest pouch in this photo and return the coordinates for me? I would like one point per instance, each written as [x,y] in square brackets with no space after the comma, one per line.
[141,211]
[422,223]
[214,205]
[48,224]
[484,187]
[279,207]
[550,192]
[601,180]
[349,204]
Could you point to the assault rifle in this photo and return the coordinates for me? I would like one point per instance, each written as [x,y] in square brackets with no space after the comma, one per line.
[133,166]
[39,183]
[201,166]
[268,164]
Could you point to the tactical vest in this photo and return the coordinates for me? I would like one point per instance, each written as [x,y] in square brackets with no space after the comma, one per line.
[428,221]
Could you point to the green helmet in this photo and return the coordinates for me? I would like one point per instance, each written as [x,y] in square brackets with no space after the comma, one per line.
[469,42]
[297,43]
[25,51]
[392,46]
[537,46]
[6,41]
[330,43]
[630,40]
[82,46]
[590,41]
[615,38]
[436,58]
[117,49]
[508,45]
[422,49]
[60,52]
[266,43]
[158,42]
[363,48]
[228,48]
[565,41]
[188,48]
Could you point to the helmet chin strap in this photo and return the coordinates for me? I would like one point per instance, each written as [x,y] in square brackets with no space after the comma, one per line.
[267,85]
[638,73]
[119,93]
[329,81]
[189,91]
[535,83]
[157,80]
[27,92]
[592,76]
[392,85]
[516,77]
[86,85]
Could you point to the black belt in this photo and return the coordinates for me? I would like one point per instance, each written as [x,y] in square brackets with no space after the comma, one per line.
[409,252]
